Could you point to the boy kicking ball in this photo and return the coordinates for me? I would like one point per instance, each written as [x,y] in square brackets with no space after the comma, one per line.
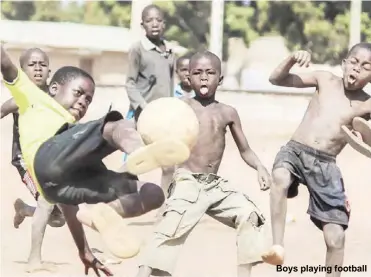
[66,158]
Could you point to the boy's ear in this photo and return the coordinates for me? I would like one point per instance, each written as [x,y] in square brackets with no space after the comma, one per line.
[343,62]
[221,78]
[53,89]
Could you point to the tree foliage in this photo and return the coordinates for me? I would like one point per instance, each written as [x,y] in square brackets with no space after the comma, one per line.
[319,26]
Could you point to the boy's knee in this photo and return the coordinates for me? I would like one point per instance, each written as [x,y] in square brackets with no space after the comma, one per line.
[334,236]
[253,219]
[281,179]
[152,196]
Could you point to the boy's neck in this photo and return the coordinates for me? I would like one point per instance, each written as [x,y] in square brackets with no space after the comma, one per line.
[205,101]
[156,41]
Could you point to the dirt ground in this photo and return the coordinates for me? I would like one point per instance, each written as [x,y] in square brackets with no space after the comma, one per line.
[211,249]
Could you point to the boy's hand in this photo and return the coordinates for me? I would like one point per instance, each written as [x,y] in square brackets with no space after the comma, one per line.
[302,58]
[90,261]
[264,178]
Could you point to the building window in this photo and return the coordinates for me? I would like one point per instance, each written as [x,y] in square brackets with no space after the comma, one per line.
[87,65]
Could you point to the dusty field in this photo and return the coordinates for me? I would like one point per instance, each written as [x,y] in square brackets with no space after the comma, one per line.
[210,250]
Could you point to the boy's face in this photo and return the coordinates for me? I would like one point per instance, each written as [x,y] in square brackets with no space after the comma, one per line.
[357,69]
[205,77]
[36,67]
[183,72]
[154,24]
[75,96]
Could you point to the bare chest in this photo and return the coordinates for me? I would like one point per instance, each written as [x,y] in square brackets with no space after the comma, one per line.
[212,122]
[341,108]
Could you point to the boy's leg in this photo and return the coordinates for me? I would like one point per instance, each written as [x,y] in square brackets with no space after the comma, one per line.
[125,197]
[39,222]
[282,179]
[285,185]
[334,235]
[22,210]
[184,208]
[329,209]
[166,178]
[236,210]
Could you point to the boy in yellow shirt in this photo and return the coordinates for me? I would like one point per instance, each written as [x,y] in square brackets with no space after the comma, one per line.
[65,159]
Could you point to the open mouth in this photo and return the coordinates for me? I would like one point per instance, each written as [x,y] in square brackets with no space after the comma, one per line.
[352,79]
[38,76]
[204,90]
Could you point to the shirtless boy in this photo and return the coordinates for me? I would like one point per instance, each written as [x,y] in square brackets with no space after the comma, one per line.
[35,63]
[310,156]
[196,188]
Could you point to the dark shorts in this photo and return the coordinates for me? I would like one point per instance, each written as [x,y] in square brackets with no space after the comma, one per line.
[319,172]
[70,170]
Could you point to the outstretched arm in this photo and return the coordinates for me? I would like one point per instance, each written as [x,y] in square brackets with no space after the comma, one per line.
[79,237]
[247,154]
[8,69]
[8,107]
[281,76]
[75,227]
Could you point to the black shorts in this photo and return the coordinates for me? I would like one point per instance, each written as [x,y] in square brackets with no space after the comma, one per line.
[70,170]
[319,172]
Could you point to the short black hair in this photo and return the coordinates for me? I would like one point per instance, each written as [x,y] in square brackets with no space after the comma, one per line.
[66,74]
[27,53]
[209,55]
[150,7]
[186,56]
[364,45]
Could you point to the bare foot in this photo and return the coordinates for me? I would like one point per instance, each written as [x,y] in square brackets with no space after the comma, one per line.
[84,216]
[120,241]
[275,256]
[19,214]
[33,267]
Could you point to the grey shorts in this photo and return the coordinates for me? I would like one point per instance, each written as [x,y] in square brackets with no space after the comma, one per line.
[319,172]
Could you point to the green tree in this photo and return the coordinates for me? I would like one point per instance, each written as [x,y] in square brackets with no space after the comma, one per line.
[319,26]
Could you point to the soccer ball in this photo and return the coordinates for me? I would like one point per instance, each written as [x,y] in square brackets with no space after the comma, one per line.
[168,118]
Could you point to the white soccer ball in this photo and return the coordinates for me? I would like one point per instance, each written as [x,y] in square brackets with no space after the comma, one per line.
[166,118]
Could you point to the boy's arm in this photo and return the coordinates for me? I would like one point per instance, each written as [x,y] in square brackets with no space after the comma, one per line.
[23,90]
[79,237]
[75,227]
[281,76]
[8,107]
[8,69]
[135,97]
[247,154]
